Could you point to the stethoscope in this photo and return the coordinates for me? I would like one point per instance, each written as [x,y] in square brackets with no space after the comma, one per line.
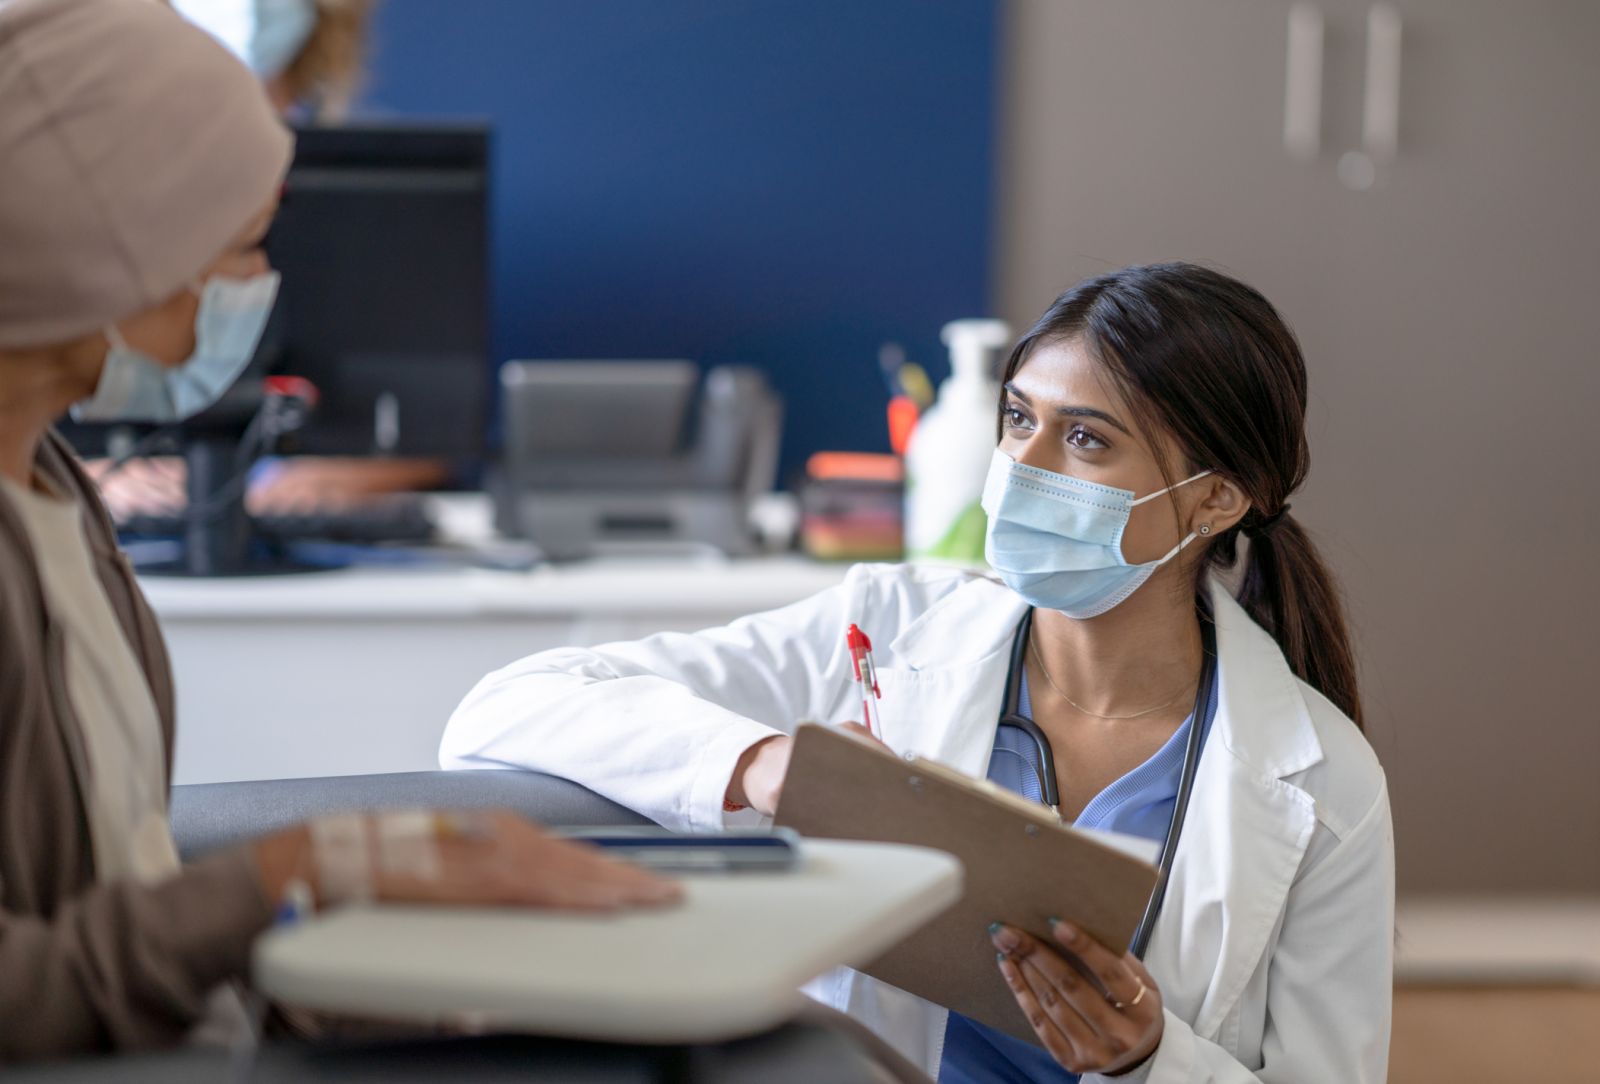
[1012,716]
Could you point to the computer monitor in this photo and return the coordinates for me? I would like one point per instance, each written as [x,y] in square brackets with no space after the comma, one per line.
[382,240]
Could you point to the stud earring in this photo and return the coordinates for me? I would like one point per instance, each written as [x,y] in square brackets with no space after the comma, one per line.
[1205,528]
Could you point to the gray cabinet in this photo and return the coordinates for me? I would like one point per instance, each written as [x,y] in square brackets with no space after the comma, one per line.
[1448,314]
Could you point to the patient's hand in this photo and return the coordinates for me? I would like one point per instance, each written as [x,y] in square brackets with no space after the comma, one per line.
[515,863]
[485,859]
[758,777]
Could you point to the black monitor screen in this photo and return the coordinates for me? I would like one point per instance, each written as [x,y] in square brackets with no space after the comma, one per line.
[382,241]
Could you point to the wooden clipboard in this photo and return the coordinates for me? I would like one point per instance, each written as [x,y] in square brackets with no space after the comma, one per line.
[1022,864]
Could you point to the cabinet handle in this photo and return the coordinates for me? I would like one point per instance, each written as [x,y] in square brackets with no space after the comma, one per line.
[1302,91]
[1380,118]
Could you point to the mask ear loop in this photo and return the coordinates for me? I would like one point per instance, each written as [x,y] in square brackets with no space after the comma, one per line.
[1169,489]
[1192,535]
[114,338]
[1173,552]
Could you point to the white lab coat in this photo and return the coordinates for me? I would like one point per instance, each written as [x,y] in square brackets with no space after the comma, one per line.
[1274,950]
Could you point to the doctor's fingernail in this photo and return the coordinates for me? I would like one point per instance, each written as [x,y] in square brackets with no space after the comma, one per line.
[1003,936]
[1065,933]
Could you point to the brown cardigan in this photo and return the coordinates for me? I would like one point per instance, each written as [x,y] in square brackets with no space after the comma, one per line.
[89,967]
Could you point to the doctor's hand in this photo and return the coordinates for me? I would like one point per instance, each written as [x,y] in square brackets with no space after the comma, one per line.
[758,776]
[1108,1022]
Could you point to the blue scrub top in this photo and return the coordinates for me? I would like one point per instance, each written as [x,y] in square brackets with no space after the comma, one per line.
[1138,804]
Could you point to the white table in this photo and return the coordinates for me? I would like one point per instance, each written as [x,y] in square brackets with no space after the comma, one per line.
[356,672]
[729,962]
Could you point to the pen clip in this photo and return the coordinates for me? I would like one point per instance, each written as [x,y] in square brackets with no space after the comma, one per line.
[869,674]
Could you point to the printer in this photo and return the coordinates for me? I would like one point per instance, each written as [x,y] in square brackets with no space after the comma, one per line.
[599,453]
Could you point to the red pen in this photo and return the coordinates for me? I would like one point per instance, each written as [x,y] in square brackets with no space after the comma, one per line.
[866,678]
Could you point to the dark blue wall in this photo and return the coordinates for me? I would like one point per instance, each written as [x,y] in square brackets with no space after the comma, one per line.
[785,184]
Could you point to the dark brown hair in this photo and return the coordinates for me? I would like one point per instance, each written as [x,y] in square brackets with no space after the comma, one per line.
[1206,359]
[327,72]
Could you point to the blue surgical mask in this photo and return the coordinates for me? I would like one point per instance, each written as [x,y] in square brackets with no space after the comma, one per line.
[134,387]
[268,35]
[1057,540]
[282,28]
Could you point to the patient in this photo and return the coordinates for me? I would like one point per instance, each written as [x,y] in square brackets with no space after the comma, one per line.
[142,166]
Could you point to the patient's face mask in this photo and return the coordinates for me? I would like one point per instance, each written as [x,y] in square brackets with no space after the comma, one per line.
[1057,540]
[227,328]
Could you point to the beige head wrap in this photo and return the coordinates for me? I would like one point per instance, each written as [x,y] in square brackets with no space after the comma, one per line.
[133,147]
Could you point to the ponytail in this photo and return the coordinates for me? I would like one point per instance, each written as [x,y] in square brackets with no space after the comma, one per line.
[1289,591]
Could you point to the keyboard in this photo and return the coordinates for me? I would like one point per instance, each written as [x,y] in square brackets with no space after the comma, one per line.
[389,519]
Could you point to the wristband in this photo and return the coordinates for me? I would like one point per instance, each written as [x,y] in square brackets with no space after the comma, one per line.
[408,845]
[343,857]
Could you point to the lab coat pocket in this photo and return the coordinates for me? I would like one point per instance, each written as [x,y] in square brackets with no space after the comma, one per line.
[900,709]
[942,715]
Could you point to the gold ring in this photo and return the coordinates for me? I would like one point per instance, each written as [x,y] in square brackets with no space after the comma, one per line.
[1120,1005]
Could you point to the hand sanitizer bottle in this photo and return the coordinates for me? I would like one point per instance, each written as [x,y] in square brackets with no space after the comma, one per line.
[950,449]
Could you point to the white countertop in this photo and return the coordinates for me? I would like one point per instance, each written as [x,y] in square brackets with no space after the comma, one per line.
[637,583]
[355,671]
[633,586]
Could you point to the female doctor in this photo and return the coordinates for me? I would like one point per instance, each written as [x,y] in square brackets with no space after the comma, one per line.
[1150,420]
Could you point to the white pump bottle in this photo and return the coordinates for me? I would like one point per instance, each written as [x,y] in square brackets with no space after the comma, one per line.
[951,446]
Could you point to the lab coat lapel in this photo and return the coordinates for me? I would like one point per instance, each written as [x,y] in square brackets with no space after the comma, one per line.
[1246,832]
[946,676]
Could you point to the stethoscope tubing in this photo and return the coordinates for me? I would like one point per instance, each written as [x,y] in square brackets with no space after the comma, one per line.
[1012,716]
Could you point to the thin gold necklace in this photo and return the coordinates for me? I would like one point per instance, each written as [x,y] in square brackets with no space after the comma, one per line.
[1034,647]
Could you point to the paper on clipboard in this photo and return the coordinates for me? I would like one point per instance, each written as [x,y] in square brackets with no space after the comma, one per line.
[1022,864]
